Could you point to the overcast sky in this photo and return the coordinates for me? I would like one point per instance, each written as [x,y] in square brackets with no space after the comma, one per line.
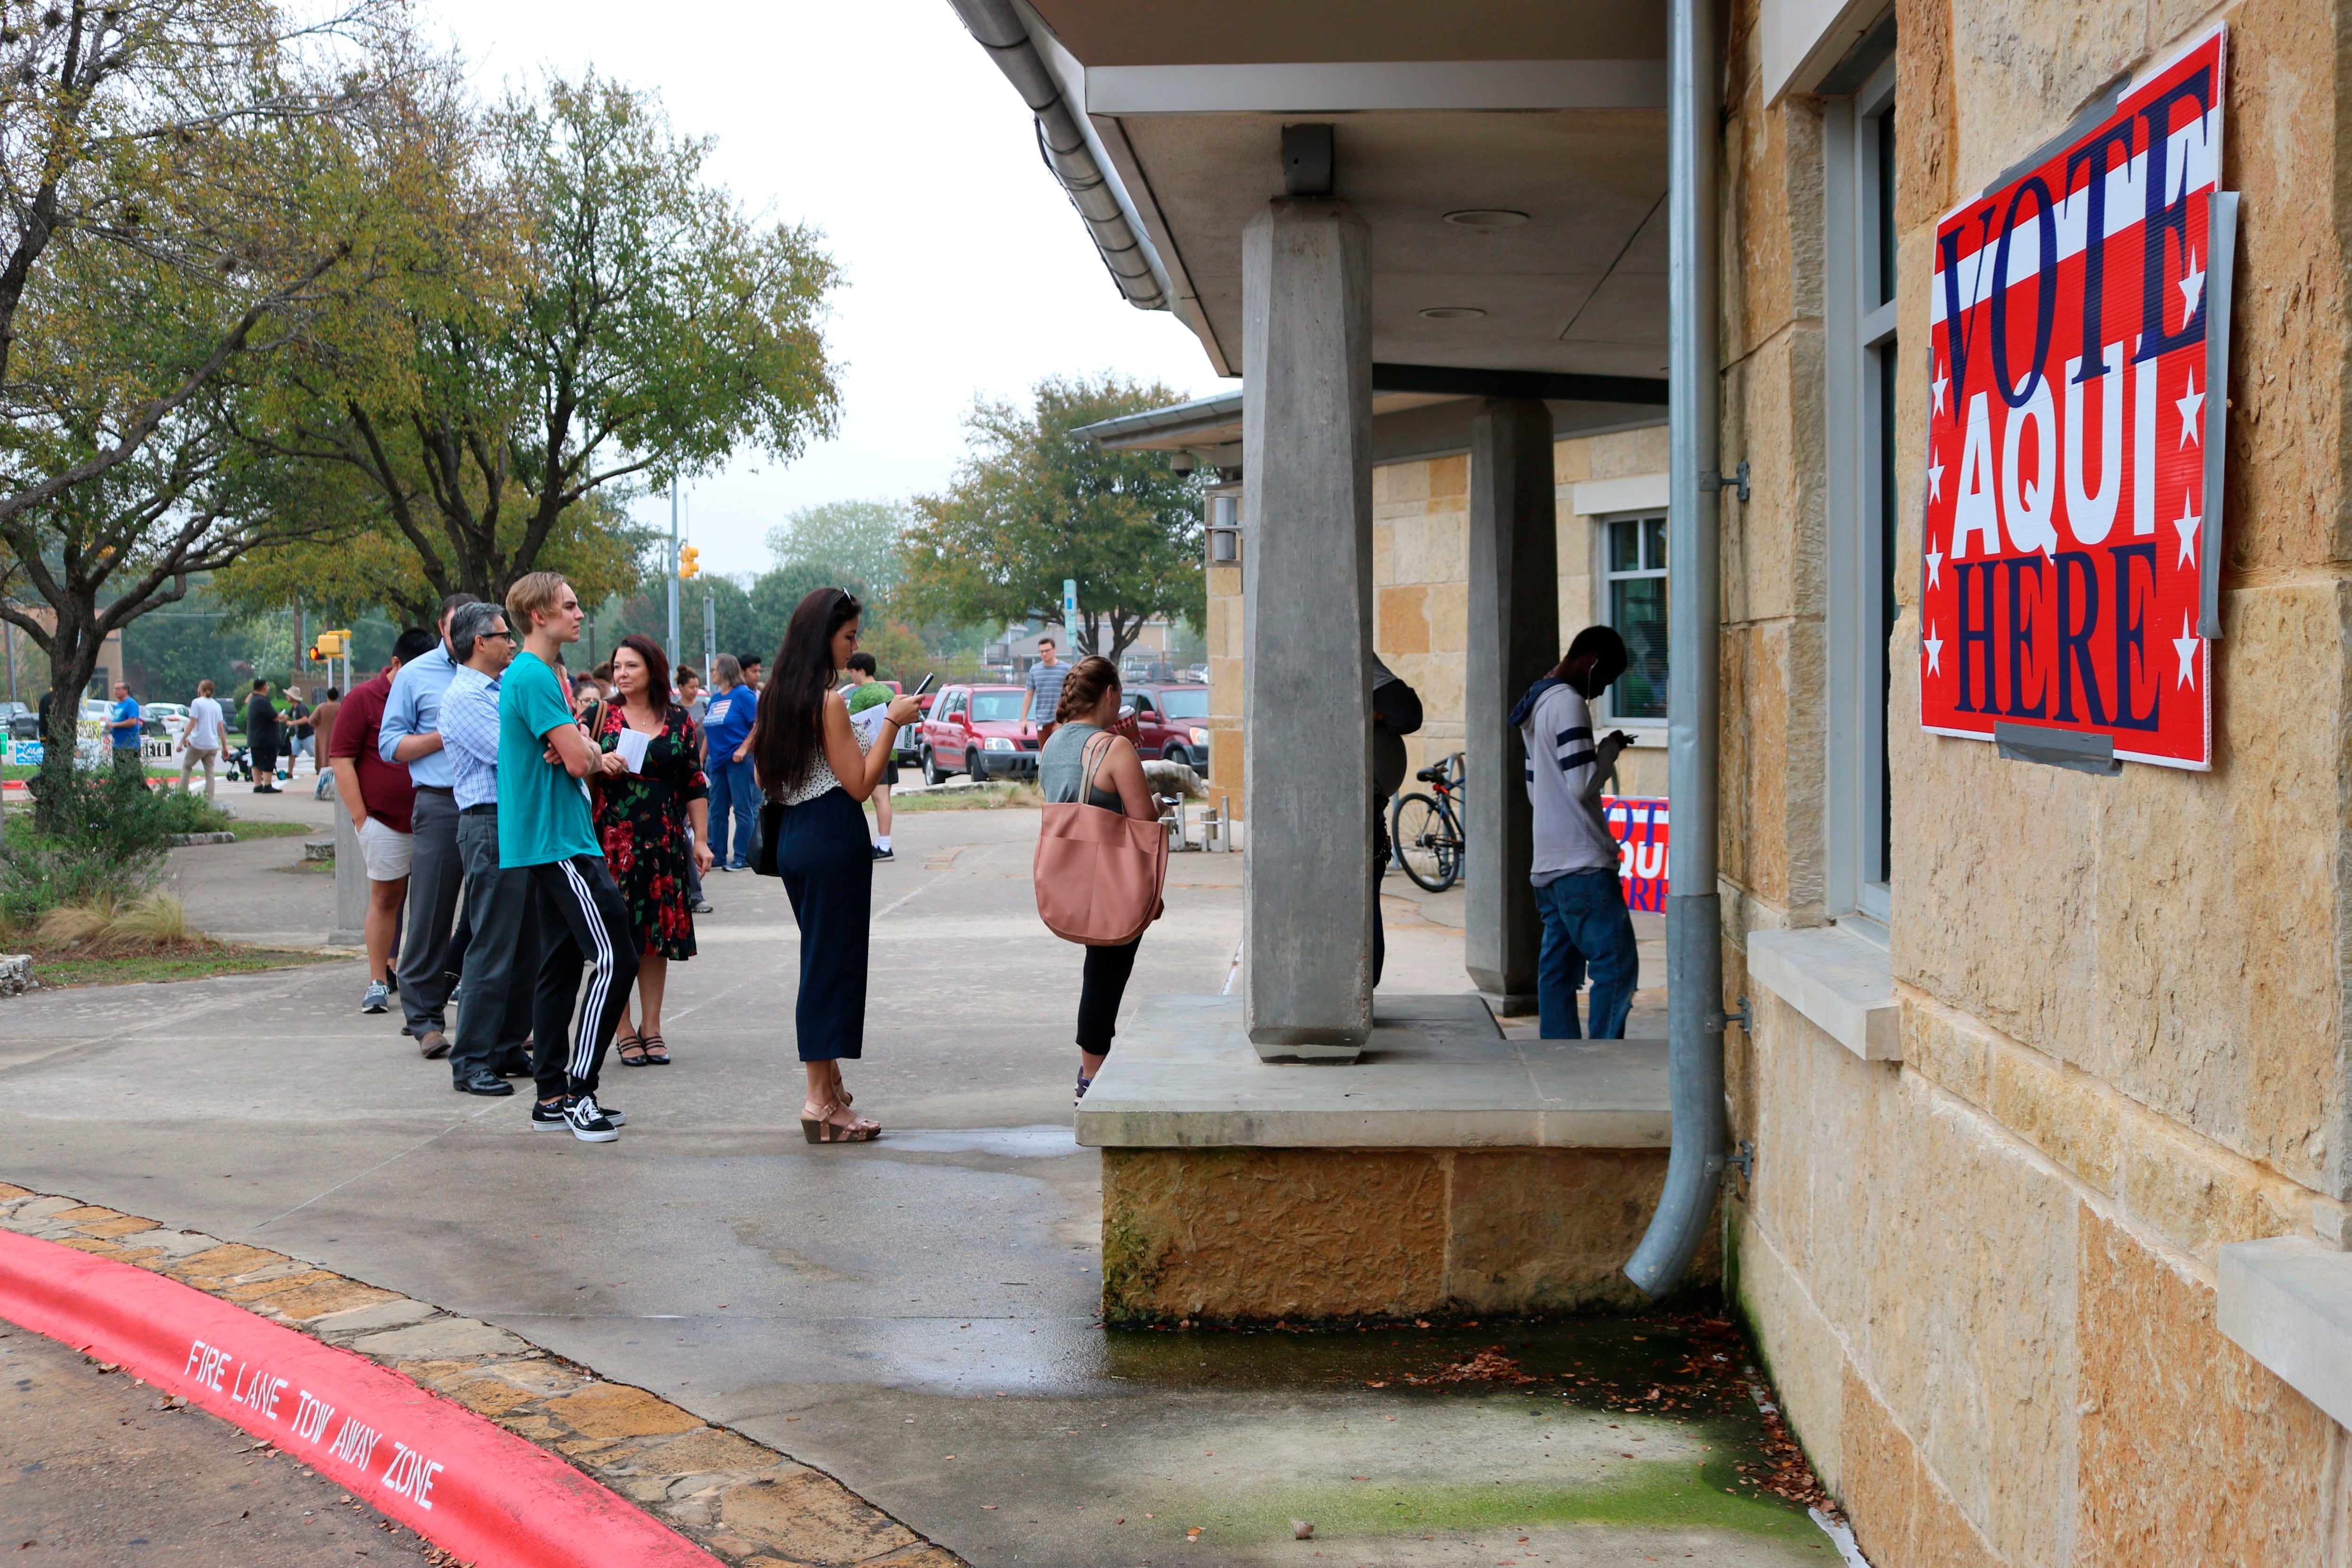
[883,125]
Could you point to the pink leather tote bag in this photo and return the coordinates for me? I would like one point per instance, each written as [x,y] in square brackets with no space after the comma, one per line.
[1098,873]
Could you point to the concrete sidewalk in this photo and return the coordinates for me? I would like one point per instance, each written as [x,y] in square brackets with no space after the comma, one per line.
[916,1316]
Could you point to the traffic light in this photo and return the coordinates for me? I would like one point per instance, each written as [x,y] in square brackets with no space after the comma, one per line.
[329,646]
[689,561]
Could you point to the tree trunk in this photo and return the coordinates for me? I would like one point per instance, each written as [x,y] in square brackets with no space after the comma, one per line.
[75,647]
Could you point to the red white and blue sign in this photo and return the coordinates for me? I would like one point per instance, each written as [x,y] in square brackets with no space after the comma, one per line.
[1638,823]
[2078,319]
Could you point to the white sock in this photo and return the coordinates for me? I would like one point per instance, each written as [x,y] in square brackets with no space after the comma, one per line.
[882,842]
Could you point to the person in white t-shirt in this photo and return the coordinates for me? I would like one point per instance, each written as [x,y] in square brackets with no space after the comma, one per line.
[1586,927]
[201,740]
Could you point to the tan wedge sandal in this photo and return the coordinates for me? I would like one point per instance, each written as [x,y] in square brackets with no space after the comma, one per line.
[821,1128]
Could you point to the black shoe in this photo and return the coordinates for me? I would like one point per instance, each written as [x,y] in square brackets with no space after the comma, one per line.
[882,854]
[486,1083]
[588,1122]
[547,1117]
[700,907]
[515,1065]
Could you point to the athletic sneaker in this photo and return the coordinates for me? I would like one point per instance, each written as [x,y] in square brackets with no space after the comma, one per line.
[545,1117]
[882,854]
[378,998]
[589,1124]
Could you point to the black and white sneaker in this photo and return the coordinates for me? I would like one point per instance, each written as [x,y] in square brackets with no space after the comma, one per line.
[547,1117]
[589,1124]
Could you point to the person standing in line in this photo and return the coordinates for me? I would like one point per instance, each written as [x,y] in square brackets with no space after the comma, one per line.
[652,822]
[545,828]
[1085,761]
[410,737]
[754,672]
[691,696]
[1574,868]
[1045,698]
[734,791]
[1396,713]
[501,952]
[296,721]
[124,727]
[810,762]
[322,739]
[382,803]
[864,692]
[201,740]
[261,739]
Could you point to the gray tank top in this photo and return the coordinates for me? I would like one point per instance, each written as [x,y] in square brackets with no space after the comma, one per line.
[1061,769]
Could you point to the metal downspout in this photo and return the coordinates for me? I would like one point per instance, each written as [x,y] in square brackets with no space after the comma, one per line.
[1695,1019]
[1001,31]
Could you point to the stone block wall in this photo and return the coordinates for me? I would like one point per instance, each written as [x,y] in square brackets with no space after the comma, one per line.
[1984,1275]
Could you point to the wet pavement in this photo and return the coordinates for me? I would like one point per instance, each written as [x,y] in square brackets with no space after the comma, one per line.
[915,1316]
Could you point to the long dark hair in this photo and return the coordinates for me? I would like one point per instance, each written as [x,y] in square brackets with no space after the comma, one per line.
[788,737]
[657,687]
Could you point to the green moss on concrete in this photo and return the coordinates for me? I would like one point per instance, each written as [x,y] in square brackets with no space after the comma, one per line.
[1130,1272]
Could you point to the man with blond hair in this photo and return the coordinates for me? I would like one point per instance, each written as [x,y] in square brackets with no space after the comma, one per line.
[544,826]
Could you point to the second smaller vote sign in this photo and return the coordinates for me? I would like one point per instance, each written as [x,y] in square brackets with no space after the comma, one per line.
[1638,823]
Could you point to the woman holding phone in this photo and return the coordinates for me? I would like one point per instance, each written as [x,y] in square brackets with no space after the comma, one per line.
[816,777]
[642,816]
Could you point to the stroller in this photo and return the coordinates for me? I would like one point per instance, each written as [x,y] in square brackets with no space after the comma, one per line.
[237,762]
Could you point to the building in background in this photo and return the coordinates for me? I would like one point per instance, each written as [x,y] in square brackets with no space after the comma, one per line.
[2028,668]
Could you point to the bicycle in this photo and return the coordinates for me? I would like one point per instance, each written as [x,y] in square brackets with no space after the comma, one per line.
[1425,830]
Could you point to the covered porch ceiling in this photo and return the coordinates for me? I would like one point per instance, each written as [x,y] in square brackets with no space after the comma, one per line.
[1509,157]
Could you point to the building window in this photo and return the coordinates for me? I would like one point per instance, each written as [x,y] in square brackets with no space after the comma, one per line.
[1634,563]
[1864,363]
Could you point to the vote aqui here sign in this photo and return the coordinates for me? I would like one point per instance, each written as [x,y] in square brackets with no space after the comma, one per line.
[2077,320]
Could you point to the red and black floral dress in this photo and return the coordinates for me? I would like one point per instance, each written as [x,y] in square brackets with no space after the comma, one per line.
[641,821]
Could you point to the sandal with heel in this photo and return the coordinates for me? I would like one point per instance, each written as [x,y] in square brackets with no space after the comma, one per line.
[634,1043]
[657,1052]
[821,1128]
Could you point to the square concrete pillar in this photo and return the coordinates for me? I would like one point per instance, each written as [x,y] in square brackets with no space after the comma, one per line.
[1514,639]
[1307,467]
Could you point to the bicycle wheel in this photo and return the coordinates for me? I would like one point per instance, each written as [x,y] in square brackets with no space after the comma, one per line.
[1427,846]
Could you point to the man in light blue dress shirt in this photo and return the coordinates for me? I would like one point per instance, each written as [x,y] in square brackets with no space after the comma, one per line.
[411,734]
[501,952]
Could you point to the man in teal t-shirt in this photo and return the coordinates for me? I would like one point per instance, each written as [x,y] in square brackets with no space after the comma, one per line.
[544,826]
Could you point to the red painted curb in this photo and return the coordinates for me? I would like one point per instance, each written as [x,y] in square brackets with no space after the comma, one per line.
[462,1482]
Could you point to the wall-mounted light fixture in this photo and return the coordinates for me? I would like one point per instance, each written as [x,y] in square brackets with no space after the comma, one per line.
[1224,527]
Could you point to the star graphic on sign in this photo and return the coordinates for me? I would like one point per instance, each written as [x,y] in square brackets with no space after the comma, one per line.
[2190,405]
[1934,477]
[1935,568]
[1941,382]
[1934,647]
[2185,648]
[2187,523]
[2192,290]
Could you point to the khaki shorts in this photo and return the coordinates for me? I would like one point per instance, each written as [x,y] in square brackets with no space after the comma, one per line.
[384,851]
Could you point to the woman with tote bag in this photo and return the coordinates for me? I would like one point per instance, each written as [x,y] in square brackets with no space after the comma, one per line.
[1098,880]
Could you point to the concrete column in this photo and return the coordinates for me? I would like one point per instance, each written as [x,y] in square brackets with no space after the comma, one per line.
[1514,639]
[351,885]
[1306,465]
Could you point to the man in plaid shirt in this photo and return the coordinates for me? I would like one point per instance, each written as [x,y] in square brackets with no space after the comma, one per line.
[495,1016]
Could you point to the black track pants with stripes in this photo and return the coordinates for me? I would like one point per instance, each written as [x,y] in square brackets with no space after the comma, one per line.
[580,922]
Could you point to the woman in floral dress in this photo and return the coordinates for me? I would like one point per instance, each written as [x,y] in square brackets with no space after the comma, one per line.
[641,819]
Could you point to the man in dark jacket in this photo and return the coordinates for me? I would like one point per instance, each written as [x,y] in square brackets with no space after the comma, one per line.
[1396,713]
[261,738]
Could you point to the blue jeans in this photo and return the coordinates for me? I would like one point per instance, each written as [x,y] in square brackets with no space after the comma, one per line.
[1585,925]
[734,795]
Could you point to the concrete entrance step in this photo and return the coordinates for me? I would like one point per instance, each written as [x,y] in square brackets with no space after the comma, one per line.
[1436,1074]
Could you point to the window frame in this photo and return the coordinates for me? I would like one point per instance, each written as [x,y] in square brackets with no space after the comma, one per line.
[1863,364]
[1643,726]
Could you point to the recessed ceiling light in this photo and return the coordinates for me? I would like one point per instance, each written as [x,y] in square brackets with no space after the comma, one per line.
[1452,313]
[1486,217]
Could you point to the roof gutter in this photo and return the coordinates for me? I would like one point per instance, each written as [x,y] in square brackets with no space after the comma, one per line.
[1068,151]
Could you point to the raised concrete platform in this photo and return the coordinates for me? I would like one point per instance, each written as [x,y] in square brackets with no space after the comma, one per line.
[1436,1073]
[1449,1170]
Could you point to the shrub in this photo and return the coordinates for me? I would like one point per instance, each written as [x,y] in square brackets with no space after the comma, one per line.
[109,854]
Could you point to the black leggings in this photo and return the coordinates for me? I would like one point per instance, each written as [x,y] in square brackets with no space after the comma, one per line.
[1107,971]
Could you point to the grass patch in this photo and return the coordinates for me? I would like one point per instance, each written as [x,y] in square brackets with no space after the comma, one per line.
[245,830]
[198,961]
[988,799]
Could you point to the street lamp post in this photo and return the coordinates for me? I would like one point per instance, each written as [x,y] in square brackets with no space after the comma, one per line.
[673,571]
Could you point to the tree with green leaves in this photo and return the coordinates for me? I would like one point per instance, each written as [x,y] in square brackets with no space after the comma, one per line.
[862,541]
[607,319]
[1035,504]
[191,187]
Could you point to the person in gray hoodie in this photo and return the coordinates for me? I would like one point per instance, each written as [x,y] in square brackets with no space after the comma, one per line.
[1574,867]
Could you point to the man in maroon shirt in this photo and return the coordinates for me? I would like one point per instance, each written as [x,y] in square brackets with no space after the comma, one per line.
[380,798]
